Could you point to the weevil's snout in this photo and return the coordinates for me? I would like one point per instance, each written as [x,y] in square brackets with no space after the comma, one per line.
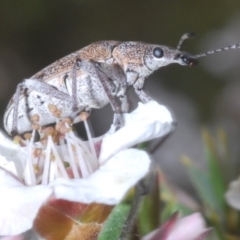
[186,59]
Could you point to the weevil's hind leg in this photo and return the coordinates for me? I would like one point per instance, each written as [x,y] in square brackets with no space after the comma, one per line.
[36,85]
[92,68]
[74,87]
[138,87]
[16,98]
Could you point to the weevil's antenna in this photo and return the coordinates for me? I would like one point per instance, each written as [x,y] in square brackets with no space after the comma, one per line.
[183,38]
[234,46]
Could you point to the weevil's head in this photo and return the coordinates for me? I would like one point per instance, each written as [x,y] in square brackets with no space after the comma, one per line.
[157,56]
[144,58]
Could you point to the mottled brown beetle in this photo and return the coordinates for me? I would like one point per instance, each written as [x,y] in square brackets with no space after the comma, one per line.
[90,78]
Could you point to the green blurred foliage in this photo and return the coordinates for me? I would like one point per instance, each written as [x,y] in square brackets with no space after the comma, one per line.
[211,186]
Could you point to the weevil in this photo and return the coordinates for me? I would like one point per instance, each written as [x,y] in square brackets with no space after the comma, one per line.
[92,77]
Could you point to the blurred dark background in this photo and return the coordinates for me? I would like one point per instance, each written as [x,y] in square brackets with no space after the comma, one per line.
[34,34]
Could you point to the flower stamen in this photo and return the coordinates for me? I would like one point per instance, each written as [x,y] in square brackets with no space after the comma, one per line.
[90,139]
[29,176]
[58,154]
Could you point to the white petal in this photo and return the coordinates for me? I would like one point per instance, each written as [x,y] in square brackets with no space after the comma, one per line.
[147,122]
[9,166]
[7,148]
[233,194]
[19,204]
[10,152]
[110,183]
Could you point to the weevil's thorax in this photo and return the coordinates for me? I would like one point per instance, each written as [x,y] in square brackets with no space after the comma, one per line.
[130,56]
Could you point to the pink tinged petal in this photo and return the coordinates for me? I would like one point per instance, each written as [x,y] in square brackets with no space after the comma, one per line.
[233,194]
[204,235]
[109,183]
[147,122]
[164,231]
[189,228]
[19,204]
[18,237]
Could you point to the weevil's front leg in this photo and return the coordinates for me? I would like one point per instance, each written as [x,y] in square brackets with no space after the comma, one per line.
[138,87]
[38,86]
[92,68]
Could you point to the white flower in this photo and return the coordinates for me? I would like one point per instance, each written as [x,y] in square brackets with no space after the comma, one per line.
[233,194]
[30,176]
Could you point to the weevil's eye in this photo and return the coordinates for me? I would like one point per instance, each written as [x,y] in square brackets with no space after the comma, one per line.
[157,52]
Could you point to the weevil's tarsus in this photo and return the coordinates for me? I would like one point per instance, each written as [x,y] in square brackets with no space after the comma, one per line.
[117,120]
[184,37]
[234,46]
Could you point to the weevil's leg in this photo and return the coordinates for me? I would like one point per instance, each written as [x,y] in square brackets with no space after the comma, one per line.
[125,104]
[38,86]
[123,97]
[117,75]
[138,87]
[42,87]
[16,98]
[117,120]
[113,71]
[74,87]
[92,68]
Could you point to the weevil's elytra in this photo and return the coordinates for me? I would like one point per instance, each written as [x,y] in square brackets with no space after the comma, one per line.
[92,77]
[99,52]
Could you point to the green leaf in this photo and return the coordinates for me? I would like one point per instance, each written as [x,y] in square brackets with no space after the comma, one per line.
[202,184]
[215,174]
[149,213]
[113,226]
[143,145]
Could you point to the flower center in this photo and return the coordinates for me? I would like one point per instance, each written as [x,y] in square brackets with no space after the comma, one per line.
[58,154]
